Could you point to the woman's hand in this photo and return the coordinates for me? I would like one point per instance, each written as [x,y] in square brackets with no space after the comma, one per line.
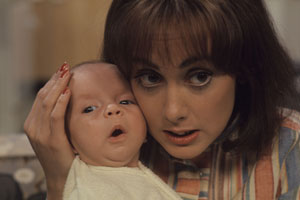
[45,128]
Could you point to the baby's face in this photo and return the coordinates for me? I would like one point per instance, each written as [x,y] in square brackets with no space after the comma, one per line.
[106,126]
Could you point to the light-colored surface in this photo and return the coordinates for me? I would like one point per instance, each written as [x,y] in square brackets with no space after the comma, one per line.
[286,15]
[18,160]
[15,145]
[127,183]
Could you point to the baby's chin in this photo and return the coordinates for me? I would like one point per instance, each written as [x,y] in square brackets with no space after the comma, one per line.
[133,162]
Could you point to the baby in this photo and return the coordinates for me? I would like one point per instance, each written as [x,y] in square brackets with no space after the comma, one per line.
[106,129]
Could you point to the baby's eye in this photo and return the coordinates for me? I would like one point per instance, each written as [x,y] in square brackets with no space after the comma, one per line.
[89,109]
[126,102]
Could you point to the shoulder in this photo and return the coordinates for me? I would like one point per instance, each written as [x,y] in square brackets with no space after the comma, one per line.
[289,132]
[291,119]
[287,151]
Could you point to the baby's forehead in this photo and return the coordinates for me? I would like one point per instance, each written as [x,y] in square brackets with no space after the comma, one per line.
[100,70]
[95,66]
[96,73]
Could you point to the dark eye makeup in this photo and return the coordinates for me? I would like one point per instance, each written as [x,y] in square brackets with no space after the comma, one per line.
[198,77]
[147,78]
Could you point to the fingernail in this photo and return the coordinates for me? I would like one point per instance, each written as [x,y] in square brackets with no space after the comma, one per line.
[64,72]
[63,67]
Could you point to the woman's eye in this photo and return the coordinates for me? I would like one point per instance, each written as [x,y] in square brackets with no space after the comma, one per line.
[148,79]
[126,102]
[89,109]
[200,78]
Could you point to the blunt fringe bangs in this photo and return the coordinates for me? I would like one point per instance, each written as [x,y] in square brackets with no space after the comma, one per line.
[236,36]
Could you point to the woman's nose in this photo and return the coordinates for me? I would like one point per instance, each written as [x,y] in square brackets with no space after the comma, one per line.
[113,110]
[175,109]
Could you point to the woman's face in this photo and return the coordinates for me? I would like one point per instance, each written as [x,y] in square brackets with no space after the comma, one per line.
[186,101]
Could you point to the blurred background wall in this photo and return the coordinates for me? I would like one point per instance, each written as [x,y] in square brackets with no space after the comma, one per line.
[37,36]
[286,16]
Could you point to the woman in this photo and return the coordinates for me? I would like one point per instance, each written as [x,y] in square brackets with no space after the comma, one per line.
[211,79]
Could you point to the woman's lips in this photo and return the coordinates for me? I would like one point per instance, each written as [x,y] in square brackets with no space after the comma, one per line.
[183,137]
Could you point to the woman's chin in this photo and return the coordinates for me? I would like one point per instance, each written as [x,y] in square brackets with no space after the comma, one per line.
[184,152]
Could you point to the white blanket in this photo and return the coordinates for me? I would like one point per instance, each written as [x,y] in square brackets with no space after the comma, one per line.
[87,182]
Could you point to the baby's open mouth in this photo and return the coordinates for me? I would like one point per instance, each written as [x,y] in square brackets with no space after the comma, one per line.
[117,132]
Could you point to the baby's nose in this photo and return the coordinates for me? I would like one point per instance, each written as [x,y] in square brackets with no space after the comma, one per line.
[113,110]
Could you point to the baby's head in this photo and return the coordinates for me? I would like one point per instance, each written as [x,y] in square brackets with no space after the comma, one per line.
[104,123]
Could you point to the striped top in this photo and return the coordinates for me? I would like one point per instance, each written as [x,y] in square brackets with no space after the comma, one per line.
[220,176]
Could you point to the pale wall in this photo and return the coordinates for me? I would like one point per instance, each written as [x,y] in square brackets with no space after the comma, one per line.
[286,15]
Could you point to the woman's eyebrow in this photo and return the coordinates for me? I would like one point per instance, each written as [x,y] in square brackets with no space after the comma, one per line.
[189,61]
[146,62]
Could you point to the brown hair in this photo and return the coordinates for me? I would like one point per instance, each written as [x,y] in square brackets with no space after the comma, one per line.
[236,36]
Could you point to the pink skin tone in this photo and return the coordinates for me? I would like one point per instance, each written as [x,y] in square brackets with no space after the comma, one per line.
[181,99]
[101,107]
[186,104]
